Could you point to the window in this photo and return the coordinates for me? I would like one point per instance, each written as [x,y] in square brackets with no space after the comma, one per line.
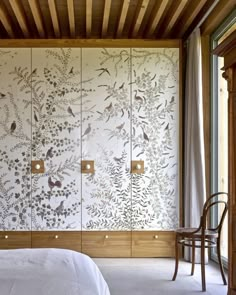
[219,123]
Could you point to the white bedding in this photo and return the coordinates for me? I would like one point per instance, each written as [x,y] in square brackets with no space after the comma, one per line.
[49,272]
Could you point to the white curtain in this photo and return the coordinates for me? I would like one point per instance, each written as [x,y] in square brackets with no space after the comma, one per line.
[194,178]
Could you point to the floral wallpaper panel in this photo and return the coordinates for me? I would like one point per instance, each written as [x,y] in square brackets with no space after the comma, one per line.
[15,139]
[106,119]
[56,129]
[155,137]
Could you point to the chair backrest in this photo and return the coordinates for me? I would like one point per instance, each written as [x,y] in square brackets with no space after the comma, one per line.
[218,200]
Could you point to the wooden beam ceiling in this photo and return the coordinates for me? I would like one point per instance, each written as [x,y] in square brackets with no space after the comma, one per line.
[37,14]
[123,14]
[158,15]
[119,19]
[20,16]
[175,13]
[6,20]
[190,14]
[54,17]
[106,15]
[71,16]
[89,6]
[140,17]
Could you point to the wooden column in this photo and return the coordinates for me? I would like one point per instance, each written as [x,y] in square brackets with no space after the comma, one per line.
[227,49]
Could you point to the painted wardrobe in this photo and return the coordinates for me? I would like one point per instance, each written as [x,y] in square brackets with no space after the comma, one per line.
[107,105]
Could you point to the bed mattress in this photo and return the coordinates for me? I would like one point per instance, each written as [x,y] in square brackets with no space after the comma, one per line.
[49,272]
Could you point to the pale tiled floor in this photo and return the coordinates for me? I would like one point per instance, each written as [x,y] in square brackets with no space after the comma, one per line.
[149,276]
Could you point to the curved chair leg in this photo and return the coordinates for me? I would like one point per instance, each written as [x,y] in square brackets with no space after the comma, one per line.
[203,264]
[193,257]
[220,262]
[176,258]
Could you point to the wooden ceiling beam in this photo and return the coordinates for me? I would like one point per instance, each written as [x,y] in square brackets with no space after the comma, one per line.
[140,17]
[6,21]
[174,17]
[36,11]
[20,16]
[106,14]
[54,17]
[157,18]
[89,6]
[123,14]
[219,13]
[71,16]
[190,14]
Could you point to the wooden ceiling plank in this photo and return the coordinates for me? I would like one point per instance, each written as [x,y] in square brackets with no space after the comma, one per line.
[157,17]
[54,17]
[174,16]
[219,13]
[71,15]
[123,15]
[6,21]
[106,14]
[191,13]
[20,16]
[36,11]
[140,17]
[89,5]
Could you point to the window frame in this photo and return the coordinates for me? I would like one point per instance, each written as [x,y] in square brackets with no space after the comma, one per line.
[219,32]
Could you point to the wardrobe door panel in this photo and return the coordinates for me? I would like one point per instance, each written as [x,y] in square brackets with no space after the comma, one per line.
[155,137]
[153,244]
[56,130]
[15,239]
[15,139]
[106,244]
[106,193]
[57,239]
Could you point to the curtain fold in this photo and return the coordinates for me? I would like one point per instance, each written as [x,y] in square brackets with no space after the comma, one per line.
[194,157]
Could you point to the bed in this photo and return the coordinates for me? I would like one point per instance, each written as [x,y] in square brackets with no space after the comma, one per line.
[49,272]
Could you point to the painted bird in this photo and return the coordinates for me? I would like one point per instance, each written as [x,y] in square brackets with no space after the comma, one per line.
[35,117]
[60,208]
[138,98]
[34,72]
[88,129]
[172,99]
[118,160]
[103,70]
[69,110]
[49,153]
[2,95]
[120,127]
[13,126]
[167,126]
[58,183]
[108,108]
[71,70]
[145,136]
[50,183]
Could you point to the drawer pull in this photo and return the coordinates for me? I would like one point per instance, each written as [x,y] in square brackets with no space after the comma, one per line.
[56,236]
[6,237]
[106,236]
[156,237]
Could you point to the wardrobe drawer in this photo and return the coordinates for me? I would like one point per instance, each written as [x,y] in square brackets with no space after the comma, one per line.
[57,239]
[153,244]
[106,244]
[15,239]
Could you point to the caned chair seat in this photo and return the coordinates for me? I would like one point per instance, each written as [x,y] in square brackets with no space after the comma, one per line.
[203,237]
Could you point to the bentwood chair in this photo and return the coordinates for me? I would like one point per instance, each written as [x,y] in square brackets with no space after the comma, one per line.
[204,236]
